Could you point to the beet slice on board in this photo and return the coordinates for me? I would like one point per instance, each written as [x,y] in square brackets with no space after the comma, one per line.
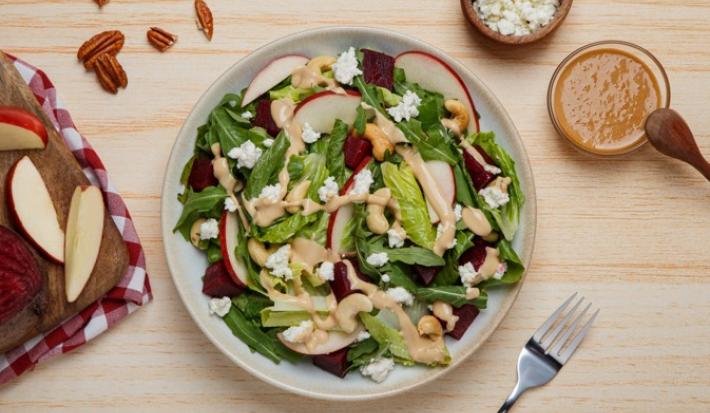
[20,278]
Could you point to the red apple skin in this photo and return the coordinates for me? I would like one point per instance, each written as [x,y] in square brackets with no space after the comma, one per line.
[24,119]
[12,212]
[253,98]
[343,190]
[456,75]
[225,254]
[321,94]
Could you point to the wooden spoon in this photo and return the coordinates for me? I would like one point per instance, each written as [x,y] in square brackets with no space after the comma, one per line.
[670,135]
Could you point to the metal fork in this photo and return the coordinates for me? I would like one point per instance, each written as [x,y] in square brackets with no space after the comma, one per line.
[539,361]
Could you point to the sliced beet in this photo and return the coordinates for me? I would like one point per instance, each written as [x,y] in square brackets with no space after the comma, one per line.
[466,314]
[476,255]
[218,283]
[335,363]
[356,149]
[201,174]
[378,68]
[478,173]
[426,274]
[263,117]
[485,155]
[20,277]
[340,284]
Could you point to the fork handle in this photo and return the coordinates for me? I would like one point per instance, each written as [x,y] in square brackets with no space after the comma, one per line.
[510,401]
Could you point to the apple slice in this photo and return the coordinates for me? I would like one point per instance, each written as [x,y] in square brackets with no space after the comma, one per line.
[432,73]
[336,341]
[271,75]
[228,239]
[20,129]
[444,176]
[322,109]
[85,227]
[338,220]
[31,209]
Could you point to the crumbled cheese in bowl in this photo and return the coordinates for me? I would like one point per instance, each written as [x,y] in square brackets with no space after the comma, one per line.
[516,17]
[378,369]
[209,229]
[220,306]
[400,295]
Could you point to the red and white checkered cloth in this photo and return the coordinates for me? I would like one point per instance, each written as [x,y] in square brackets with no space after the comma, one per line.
[134,288]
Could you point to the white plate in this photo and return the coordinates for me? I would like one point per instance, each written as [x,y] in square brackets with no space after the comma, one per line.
[187,264]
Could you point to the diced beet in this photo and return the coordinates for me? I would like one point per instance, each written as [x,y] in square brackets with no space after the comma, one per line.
[466,314]
[218,283]
[479,175]
[485,155]
[426,274]
[476,255]
[335,363]
[201,174]
[378,68]
[356,149]
[263,117]
[340,284]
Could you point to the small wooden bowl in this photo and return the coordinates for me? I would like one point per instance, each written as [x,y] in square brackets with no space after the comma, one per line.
[475,20]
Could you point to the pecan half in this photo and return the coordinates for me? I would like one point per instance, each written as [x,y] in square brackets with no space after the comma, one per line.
[108,42]
[160,39]
[110,73]
[204,18]
[101,3]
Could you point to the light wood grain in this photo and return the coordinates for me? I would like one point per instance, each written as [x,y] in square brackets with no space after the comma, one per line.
[632,234]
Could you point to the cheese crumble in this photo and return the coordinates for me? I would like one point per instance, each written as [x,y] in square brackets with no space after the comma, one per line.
[209,229]
[220,306]
[278,263]
[328,190]
[309,135]
[516,17]
[407,108]
[246,154]
[345,67]
[378,259]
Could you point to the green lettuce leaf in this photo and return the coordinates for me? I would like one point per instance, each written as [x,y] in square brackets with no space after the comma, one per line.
[430,147]
[267,167]
[258,340]
[335,160]
[387,337]
[207,203]
[284,229]
[452,294]
[296,94]
[515,269]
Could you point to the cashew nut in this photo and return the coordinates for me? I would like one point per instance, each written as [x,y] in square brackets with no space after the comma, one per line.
[376,220]
[459,119]
[444,312]
[348,309]
[430,327]
[296,196]
[195,232]
[379,141]
[319,63]
[258,252]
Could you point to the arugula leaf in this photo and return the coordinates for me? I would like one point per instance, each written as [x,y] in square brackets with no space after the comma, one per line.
[452,294]
[257,340]
[360,121]
[229,133]
[369,94]
[361,353]
[411,255]
[431,147]
[284,229]
[185,175]
[415,216]
[214,252]
[398,276]
[463,190]
[335,160]
[387,337]
[251,304]
[508,216]
[199,204]
[267,167]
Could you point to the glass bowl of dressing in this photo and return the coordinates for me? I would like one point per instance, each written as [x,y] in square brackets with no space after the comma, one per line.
[600,95]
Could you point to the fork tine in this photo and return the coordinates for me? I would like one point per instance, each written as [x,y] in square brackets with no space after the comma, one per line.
[550,338]
[540,332]
[565,356]
[568,332]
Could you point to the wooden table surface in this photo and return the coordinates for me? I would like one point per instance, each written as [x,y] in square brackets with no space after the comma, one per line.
[631,234]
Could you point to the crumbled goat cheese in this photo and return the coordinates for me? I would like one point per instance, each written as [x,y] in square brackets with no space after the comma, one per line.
[362,183]
[395,238]
[378,369]
[209,229]
[440,230]
[268,142]
[457,212]
[299,333]
[407,108]
[362,336]
[516,17]
[468,274]
[271,192]
[500,271]
[278,263]
[385,278]
[328,190]
[494,197]
[400,295]
[325,271]
[229,204]
[246,154]
[220,306]
[345,67]
[247,115]
[309,135]
[378,259]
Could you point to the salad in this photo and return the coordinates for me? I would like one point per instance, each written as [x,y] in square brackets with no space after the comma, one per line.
[351,211]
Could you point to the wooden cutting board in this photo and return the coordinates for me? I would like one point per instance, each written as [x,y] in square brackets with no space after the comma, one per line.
[62,173]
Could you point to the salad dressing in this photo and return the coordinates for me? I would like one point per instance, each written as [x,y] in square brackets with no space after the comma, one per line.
[308,253]
[220,170]
[305,77]
[391,131]
[445,312]
[490,264]
[441,206]
[476,221]
[422,349]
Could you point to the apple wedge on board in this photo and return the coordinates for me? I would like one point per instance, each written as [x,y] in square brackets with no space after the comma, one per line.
[85,227]
[20,129]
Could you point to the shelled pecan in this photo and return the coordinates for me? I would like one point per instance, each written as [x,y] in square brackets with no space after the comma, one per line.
[108,42]
[205,22]
[160,39]
[101,3]
[110,73]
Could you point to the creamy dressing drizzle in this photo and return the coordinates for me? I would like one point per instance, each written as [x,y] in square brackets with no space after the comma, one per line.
[476,221]
[306,78]
[490,265]
[444,312]
[391,131]
[221,172]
